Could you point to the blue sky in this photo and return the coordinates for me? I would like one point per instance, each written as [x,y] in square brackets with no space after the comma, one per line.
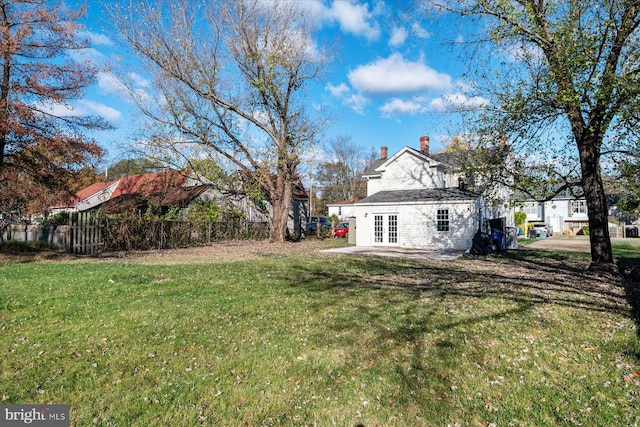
[393,80]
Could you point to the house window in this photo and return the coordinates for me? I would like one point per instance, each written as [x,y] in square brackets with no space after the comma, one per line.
[393,228]
[531,209]
[578,207]
[442,219]
[378,229]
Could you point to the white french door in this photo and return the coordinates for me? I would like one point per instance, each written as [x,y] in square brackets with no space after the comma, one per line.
[385,229]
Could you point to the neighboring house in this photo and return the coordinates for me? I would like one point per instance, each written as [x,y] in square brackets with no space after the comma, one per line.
[238,192]
[416,199]
[564,213]
[136,204]
[132,195]
[143,185]
[343,210]
[87,198]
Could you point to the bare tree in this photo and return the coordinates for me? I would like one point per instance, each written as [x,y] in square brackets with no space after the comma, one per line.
[562,82]
[340,178]
[230,77]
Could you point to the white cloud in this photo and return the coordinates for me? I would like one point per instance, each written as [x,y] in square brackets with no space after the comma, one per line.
[457,101]
[110,84]
[83,107]
[88,54]
[134,87]
[397,75]
[338,91]
[102,110]
[357,103]
[419,32]
[58,109]
[398,37]
[95,38]
[352,17]
[138,80]
[399,106]
[355,18]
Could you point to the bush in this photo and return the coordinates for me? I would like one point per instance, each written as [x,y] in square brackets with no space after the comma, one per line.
[519,218]
[18,247]
[61,218]
[585,230]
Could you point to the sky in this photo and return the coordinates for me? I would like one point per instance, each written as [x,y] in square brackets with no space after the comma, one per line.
[392,81]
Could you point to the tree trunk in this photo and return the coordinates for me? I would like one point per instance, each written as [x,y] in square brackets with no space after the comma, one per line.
[280,203]
[601,252]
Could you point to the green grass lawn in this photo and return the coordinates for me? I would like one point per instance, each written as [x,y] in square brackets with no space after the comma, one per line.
[310,339]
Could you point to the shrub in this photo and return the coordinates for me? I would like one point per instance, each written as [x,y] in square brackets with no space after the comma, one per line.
[15,246]
[585,230]
[61,218]
[519,218]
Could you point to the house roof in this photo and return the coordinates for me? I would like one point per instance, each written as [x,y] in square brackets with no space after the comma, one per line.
[371,169]
[436,159]
[83,194]
[137,202]
[92,189]
[345,202]
[149,183]
[421,195]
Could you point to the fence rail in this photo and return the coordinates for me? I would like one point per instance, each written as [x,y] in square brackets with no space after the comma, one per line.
[138,234]
[85,234]
[88,234]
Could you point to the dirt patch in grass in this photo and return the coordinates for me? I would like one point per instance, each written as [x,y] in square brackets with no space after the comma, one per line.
[218,252]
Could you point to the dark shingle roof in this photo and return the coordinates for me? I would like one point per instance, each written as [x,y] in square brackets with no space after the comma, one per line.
[422,195]
[371,169]
[450,159]
[137,202]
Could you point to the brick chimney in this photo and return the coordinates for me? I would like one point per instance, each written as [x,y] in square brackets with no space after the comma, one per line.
[424,145]
[384,150]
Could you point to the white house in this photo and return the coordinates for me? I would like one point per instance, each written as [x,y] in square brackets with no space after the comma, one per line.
[343,210]
[416,200]
[564,213]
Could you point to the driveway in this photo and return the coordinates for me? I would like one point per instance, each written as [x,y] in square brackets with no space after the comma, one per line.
[562,244]
[566,244]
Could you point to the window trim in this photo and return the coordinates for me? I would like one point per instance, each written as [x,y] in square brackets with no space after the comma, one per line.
[443,223]
[578,207]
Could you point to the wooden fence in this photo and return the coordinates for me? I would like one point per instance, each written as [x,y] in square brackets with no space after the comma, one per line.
[89,234]
[85,234]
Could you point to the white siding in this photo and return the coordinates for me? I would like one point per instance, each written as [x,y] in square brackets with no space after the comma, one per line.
[373,186]
[96,199]
[409,172]
[343,212]
[417,225]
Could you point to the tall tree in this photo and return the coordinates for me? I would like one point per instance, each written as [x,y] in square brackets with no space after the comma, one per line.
[133,166]
[40,148]
[567,70]
[231,78]
[340,178]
